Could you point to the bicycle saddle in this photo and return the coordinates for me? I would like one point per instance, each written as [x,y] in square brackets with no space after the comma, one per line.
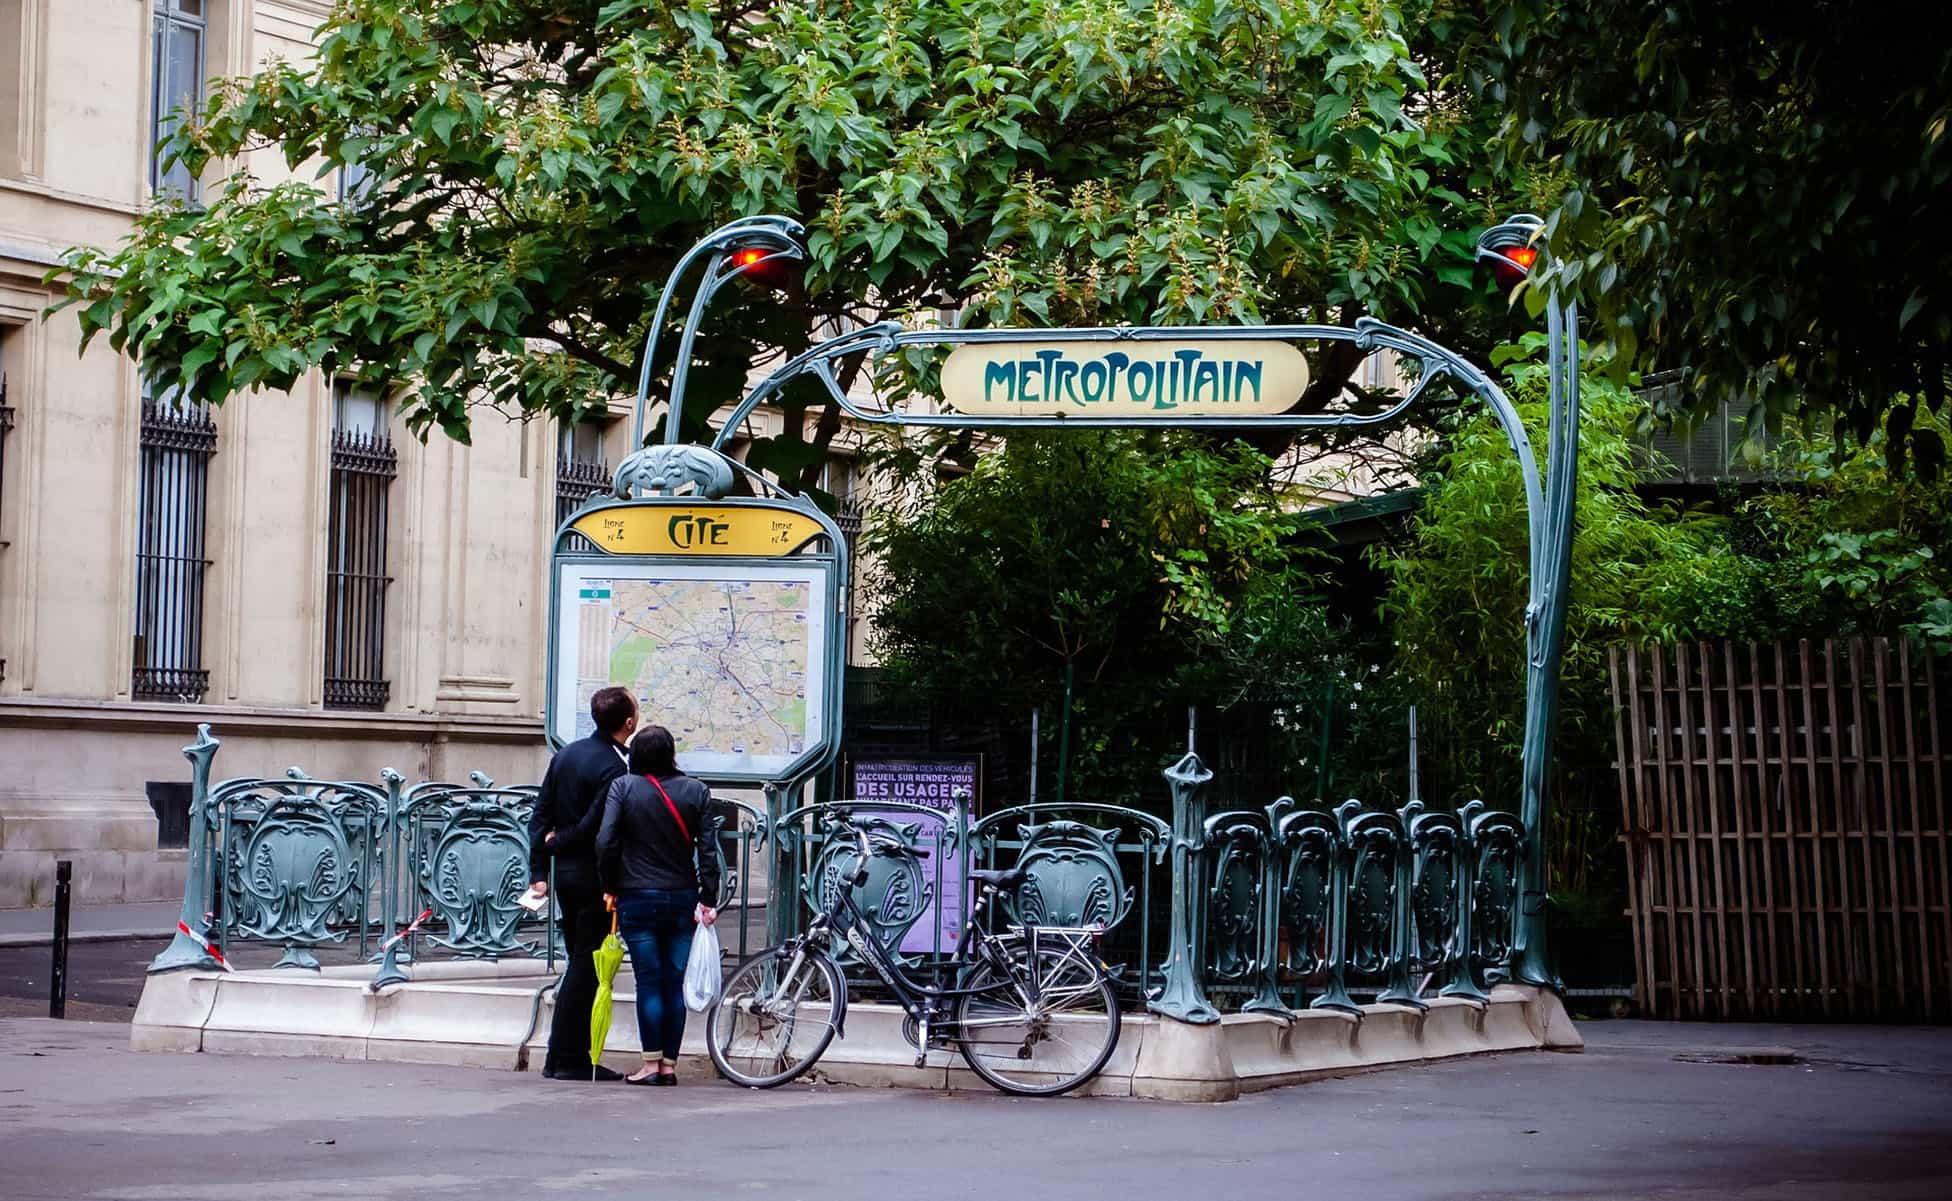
[1002,881]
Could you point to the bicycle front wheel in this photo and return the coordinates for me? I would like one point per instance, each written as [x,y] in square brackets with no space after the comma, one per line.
[775,1016]
[1044,1046]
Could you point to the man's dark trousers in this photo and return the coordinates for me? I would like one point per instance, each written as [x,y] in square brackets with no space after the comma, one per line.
[585,924]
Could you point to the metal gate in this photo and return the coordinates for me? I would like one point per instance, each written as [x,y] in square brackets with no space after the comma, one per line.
[1783,807]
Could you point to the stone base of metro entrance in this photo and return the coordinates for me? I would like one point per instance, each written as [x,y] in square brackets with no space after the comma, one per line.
[496,1015]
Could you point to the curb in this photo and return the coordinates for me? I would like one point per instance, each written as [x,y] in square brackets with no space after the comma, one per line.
[15,941]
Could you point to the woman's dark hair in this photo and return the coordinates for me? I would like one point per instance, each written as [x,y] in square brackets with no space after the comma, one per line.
[653,753]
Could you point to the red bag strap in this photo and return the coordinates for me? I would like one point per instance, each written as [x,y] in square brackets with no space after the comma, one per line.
[675,816]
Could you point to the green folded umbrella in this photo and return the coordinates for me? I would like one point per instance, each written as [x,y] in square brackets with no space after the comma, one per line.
[609,957]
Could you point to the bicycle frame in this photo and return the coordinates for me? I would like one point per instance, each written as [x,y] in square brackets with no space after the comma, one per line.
[845,919]
[923,1003]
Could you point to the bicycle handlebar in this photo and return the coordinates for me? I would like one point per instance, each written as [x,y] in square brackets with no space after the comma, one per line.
[867,851]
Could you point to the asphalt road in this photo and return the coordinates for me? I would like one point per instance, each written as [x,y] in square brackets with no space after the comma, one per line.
[1868,1115]
[104,978]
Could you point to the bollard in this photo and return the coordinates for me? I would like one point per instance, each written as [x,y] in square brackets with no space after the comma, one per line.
[57,993]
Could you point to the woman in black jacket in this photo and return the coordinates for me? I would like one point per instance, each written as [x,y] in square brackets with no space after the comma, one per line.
[656,860]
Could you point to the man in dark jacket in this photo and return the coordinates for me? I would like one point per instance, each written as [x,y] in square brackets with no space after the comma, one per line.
[563,828]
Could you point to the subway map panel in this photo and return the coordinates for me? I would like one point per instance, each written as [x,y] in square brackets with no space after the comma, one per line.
[729,666]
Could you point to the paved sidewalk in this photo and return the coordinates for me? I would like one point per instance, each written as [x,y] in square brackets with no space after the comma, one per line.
[1867,1116]
[89,923]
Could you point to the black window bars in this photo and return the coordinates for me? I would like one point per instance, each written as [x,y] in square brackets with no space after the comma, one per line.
[172,518]
[580,472]
[6,424]
[364,464]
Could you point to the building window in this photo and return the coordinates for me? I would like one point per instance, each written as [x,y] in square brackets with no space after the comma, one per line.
[580,474]
[363,466]
[6,427]
[357,180]
[1704,454]
[580,470]
[840,479]
[178,438]
[175,87]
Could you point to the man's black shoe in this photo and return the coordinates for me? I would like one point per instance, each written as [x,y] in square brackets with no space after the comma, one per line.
[593,1074]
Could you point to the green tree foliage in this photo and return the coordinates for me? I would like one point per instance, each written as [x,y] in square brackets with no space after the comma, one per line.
[1832,542]
[1157,571]
[1838,544]
[1457,588]
[1753,192]
[538,165]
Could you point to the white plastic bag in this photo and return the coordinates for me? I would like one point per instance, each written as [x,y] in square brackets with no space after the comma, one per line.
[703,973]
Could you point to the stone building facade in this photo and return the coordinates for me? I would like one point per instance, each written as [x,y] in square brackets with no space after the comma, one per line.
[294,569]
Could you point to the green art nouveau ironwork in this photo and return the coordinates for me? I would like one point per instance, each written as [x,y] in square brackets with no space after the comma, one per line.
[305,863]
[1237,899]
[1387,896]
[464,852]
[1181,996]
[1303,848]
[1439,889]
[1086,864]
[897,890]
[1284,907]
[1265,910]
[906,873]
[189,945]
[299,860]
[1512,248]
[1417,902]
[1498,843]
[1273,908]
[1073,877]
[888,347]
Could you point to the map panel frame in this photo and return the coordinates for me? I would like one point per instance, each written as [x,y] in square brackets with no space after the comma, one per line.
[573,575]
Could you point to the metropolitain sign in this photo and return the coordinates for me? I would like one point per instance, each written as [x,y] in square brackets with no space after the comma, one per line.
[1124,378]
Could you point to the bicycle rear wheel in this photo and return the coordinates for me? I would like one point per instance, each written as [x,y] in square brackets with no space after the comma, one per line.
[1044,1048]
[775,1016]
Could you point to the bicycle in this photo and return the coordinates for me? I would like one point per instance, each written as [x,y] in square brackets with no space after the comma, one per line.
[1032,1011]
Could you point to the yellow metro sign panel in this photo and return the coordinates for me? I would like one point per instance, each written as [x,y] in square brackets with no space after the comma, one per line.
[1118,378]
[743,530]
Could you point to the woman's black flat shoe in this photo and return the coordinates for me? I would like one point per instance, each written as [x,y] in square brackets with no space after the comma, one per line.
[665,1080]
[644,1080]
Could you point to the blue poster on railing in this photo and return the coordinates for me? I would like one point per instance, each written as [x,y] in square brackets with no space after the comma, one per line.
[932,782]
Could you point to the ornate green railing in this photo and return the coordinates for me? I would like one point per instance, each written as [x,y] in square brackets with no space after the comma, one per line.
[394,872]
[397,872]
[1262,910]
[1265,910]
[458,857]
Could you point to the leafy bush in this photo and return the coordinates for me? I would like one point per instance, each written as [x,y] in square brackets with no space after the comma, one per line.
[1843,544]
[1154,571]
[1457,587]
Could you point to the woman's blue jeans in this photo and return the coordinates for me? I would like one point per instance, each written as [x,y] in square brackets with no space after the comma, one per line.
[657,926]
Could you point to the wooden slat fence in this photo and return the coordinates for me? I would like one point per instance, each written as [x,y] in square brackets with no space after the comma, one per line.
[1784,809]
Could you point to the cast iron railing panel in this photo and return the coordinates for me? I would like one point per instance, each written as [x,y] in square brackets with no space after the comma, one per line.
[1266,910]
